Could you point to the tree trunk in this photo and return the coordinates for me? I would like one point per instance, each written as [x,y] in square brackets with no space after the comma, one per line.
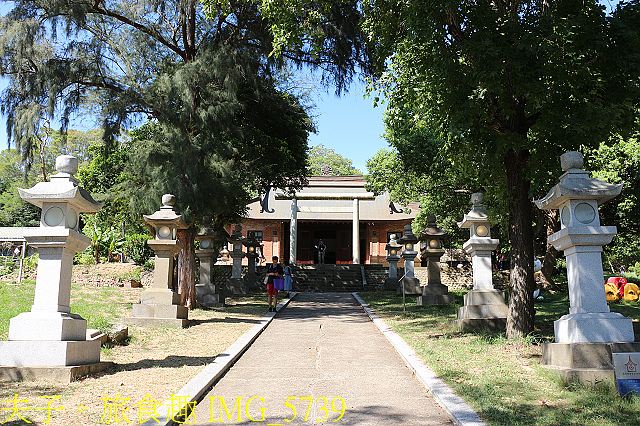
[186,267]
[521,316]
[552,225]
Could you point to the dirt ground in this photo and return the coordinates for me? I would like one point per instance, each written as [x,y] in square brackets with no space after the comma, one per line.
[153,364]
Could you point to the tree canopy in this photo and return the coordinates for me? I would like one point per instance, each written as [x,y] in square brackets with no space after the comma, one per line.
[320,155]
[508,87]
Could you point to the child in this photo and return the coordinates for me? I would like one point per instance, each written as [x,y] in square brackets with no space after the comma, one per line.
[288,279]
[273,271]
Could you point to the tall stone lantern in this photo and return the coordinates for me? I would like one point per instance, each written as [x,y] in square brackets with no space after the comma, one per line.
[252,253]
[50,335]
[393,249]
[581,237]
[434,293]
[207,292]
[410,282]
[160,305]
[236,284]
[484,306]
[590,333]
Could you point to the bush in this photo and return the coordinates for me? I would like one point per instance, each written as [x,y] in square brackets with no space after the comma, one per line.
[137,249]
[7,265]
[84,257]
[635,269]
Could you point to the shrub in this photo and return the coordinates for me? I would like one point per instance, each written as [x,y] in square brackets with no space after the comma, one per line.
[84,257]
[137,249]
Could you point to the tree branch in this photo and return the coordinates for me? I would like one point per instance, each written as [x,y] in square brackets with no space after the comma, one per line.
[144,29]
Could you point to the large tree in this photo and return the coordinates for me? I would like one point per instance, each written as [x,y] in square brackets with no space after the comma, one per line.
[511,85]
[320,155]
[198,70]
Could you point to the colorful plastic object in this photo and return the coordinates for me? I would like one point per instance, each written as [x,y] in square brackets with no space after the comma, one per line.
[631,292]
[612,292]
[619,282]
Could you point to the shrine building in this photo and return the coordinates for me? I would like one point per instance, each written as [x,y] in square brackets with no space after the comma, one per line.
[353,223]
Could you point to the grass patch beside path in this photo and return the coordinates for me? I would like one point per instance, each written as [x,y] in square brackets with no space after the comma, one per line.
[503,380]
[154,363]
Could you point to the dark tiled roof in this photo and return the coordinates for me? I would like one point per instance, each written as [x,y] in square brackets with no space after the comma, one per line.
[330,198]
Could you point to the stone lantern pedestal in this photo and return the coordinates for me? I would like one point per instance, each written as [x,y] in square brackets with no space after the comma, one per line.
[49,341]
[410,283]
[586,337]
[236,284]
[393,248]
[484,306]
[208,293]
[434,293]
[160,305]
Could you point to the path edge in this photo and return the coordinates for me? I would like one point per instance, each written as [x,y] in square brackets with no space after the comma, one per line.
[196,388]
[459,411]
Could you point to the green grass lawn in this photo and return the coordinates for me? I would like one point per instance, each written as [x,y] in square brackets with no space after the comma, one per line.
[14,299]
[503,380]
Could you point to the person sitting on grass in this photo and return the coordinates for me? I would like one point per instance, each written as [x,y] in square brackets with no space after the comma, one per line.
[273,271]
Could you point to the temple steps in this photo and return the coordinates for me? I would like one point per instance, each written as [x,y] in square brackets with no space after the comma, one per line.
[327,278]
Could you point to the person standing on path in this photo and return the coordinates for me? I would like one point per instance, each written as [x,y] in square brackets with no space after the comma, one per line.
[321,250]
[273,271]
[288,278]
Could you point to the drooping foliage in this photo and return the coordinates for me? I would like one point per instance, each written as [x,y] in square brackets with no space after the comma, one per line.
[509,86]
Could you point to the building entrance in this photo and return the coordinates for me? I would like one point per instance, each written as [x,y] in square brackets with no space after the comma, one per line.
[337,238]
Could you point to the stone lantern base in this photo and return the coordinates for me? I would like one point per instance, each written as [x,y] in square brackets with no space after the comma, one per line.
[593,328]
[159,308]
[435,294]
[411,287]
[28,356]
[586,363]
[392,284]
[210,295]
[483,309]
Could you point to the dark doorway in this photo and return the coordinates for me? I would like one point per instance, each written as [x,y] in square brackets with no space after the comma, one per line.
[336,238]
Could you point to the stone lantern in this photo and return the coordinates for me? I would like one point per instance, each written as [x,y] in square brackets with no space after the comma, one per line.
[410,282]
[590,333]
[160,305]
[484,306]
[581,237]
[236,284]
[49,335]
[252,253]
[393,249]
[207,292]
[434,293]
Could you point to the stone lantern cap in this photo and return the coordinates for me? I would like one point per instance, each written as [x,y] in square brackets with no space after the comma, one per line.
[236,235]
[575,184]
[393,243]
[432,231]
[478,212]
[62,188]
[251,242]
[408,237]
[207,231]
[166,216]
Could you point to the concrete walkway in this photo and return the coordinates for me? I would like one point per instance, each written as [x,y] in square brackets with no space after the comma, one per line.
[321,347]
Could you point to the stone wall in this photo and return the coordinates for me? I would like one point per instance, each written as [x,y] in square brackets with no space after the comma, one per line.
[454,278]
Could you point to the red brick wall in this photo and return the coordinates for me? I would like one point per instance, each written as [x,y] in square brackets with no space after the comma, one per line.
[377,239]
[272,244]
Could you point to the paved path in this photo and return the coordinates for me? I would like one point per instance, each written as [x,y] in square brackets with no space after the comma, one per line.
[321,346]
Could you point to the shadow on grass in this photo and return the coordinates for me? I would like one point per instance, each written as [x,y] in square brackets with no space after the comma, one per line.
[171,361]
[196,322]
